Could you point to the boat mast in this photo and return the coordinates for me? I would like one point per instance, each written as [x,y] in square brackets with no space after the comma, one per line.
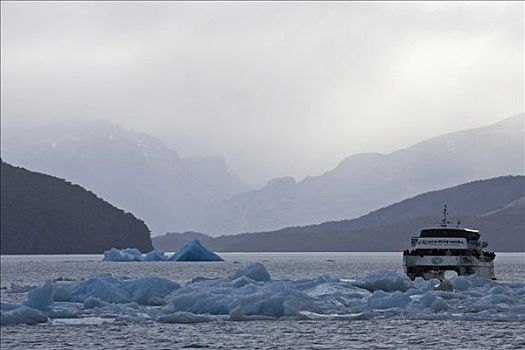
[444,222]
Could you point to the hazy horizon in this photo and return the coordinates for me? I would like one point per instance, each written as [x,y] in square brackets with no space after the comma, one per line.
[276,88]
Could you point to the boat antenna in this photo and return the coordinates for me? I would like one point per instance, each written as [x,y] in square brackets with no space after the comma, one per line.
[444,222]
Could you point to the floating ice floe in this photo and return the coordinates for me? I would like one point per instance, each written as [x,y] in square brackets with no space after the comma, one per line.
[191,251]
[251,294]
[254,271]
[387,281]
[21,315]
[18,288]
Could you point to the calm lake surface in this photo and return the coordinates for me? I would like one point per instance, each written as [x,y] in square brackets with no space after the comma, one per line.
[376,333]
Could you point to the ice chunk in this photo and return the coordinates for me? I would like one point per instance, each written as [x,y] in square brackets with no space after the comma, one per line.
[8,306]
[148,290]
[92,302]
[143,290]
[131,312]
[18,288]
[255,271]
[427,299]
[250,294]
[439,305]
[41,297]
[498,290]
[214,297]
[128,254]
[61,293]
[185,317]
[461,283]
[155,255]
[275,299]
[242,281]
[383,300]
[194,251]
[64,310]
[387,281]
[445,285]
[495,301]
[346,317]
[22,315]
[133,254]
[241,299]
[104,287]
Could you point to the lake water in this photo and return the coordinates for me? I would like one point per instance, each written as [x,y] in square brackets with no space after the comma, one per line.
[382,329]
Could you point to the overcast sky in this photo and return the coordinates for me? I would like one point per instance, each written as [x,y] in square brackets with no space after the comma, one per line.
[276,88]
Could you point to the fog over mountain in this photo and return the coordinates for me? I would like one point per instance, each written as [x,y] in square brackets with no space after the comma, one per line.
[277,88]
[131,170]
[364,182]
[138,173]
[279,92]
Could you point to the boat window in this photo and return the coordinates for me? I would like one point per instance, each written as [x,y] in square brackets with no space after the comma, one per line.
[447,232]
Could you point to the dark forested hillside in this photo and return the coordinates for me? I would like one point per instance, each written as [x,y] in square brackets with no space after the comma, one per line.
[41,214]
[495,206]
[133,171]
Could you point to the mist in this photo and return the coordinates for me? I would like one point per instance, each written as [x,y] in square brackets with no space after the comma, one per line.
[276,88]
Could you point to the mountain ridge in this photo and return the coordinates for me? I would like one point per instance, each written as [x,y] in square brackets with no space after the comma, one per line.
[362,182]
[133,170]
[137,172]
[492,205]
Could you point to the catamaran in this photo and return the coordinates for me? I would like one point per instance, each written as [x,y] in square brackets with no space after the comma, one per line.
[444,248]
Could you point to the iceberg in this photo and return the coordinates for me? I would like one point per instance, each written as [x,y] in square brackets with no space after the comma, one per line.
[250,293]
[155,255]
[191,251]
[128,254]
[133,254]
[194,251]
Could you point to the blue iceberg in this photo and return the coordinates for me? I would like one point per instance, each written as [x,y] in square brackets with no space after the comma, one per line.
[155,255]
[194,251]
[128,254]
[191,251]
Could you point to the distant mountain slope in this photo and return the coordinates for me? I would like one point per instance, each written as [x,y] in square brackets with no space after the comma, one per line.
[363,182]
[41,214]
[495,206]
[134,171]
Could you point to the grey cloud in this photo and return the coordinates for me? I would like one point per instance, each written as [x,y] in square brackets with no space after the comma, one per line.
[277,88]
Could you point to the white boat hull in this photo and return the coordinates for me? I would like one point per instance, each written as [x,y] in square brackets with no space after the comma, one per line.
[435,266]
